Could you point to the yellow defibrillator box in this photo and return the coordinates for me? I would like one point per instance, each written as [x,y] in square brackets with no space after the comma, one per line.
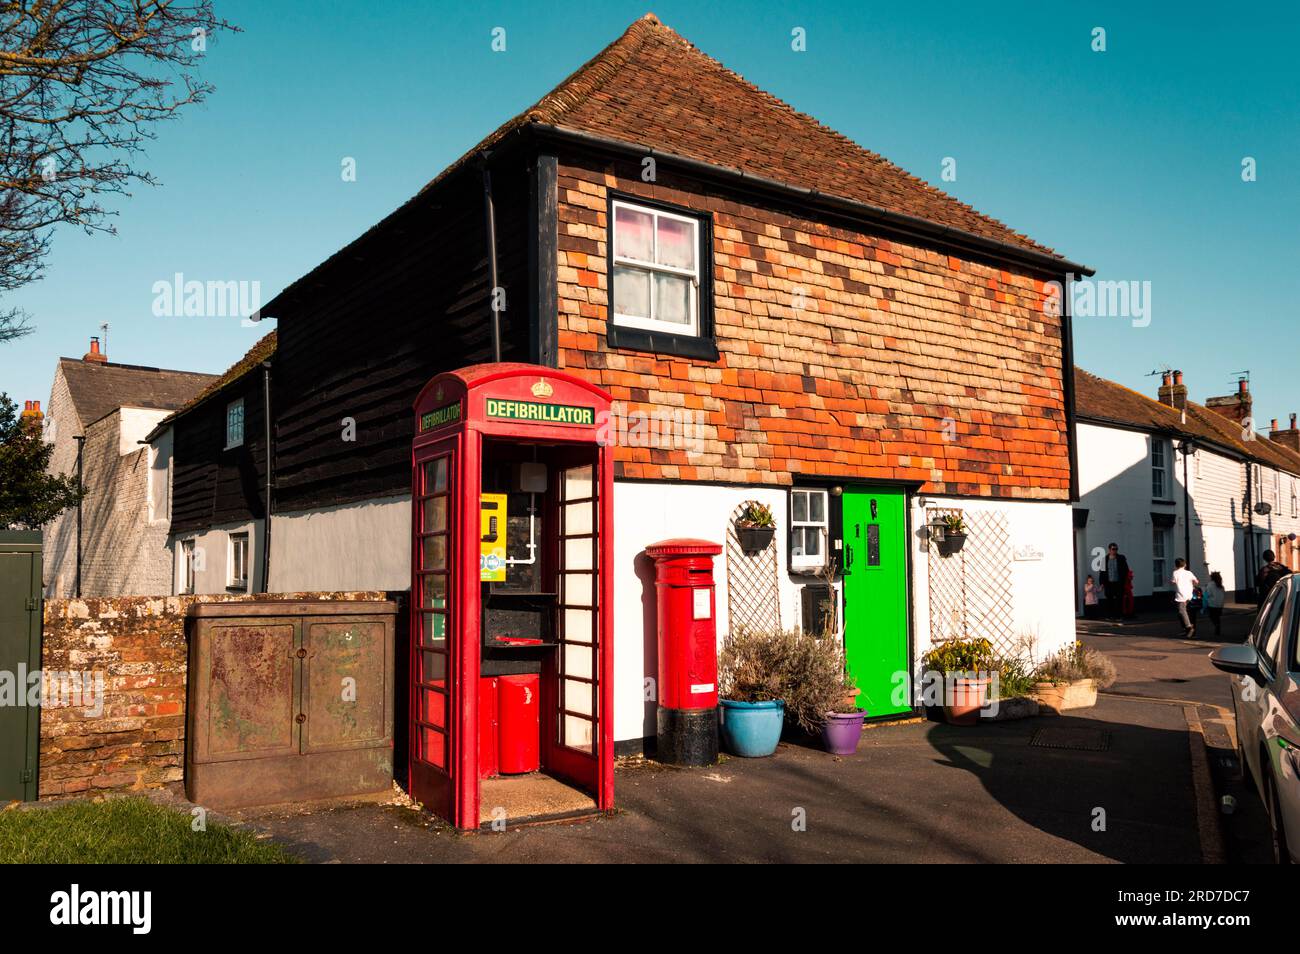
[492,538]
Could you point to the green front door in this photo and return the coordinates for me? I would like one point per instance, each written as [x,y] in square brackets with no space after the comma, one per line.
[875,597]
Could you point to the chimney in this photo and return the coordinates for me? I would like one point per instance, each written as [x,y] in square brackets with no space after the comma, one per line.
[1172,390]
[31,416]
[1235,407]
[1290,438]
[94,353]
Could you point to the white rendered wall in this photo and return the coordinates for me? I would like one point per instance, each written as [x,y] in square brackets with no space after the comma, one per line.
[1042,596]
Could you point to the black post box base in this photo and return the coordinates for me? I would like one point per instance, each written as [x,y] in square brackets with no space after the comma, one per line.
[687,736]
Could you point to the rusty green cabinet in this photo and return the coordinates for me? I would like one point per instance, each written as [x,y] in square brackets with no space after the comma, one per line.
[289,700]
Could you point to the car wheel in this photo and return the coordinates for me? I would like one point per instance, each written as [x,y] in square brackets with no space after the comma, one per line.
[1281,851]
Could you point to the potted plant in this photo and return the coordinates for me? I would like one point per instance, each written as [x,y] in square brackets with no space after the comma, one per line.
[843,728]
[755,526]
[950,533]
[964,665]
[751,711]
[1070,679]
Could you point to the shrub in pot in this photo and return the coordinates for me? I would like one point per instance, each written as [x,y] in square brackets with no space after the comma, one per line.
[965,665]
[750,708]
[1070,678]
[804,672]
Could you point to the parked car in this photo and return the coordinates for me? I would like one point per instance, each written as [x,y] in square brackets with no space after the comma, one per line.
[1266,698]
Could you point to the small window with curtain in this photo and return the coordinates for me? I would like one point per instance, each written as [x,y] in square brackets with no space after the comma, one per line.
[656,270]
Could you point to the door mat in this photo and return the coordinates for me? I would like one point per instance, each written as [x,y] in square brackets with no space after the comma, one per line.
[1084,740]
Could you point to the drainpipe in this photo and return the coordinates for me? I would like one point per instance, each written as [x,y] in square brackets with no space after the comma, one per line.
[81,446]
[1188,450]
[490,213]
[266,530]
[1250,529]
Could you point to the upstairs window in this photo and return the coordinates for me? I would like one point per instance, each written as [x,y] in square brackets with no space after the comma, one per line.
[656,280]
[1159,468]
[234,424]
[808,529]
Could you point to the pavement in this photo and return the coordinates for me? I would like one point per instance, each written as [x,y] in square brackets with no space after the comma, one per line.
[1136,779]
[914,792]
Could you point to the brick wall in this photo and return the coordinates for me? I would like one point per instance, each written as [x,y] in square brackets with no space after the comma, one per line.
[138,644]
[893,341]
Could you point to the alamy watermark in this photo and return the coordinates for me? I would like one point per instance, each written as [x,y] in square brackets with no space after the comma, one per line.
[182,298]
[1090,298]
[664,428]
[53,689]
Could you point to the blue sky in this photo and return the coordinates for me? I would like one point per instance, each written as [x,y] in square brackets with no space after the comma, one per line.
[1128,161]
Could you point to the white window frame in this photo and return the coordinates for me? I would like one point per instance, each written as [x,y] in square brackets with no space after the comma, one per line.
[236,540]
[185,580]
[1162,560]
[691,330]
[802,561]
[1161,469]
[234,440]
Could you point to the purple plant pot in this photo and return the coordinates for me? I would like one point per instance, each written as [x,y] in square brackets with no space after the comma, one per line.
[842,731]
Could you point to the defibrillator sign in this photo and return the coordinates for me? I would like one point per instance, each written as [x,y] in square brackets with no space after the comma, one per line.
[538,413]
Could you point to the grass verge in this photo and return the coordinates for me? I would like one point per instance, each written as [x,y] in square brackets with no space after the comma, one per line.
[125,831]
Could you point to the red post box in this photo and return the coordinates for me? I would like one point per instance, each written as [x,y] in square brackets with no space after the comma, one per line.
[688,651]
[520,723]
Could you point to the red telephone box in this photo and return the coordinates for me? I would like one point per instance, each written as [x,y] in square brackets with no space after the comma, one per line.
[512,545]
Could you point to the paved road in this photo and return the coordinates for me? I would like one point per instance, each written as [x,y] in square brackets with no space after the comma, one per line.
[1155,663]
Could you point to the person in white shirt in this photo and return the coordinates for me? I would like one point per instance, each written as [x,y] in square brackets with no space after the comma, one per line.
[1184,582]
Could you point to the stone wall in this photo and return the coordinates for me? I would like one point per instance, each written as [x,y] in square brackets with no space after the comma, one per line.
[133,737]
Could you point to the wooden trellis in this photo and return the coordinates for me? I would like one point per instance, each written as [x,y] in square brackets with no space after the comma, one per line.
[970,590]
[753,596]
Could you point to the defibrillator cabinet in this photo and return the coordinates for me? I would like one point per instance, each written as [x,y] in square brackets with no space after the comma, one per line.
[512,633]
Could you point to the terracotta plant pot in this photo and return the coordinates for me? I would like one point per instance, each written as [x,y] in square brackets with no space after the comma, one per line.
[966,697]
[1056,697]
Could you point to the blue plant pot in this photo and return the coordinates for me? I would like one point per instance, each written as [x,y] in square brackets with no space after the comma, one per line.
[751,729]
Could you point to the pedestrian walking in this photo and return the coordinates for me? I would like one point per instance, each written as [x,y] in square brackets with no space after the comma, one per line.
[1268,574]
[1113,574]
[1184,582]
[1215,596]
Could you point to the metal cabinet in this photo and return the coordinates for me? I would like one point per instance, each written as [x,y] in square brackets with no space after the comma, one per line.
[20,657]
[289,700]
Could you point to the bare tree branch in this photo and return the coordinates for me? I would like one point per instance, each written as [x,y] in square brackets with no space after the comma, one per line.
[82,85]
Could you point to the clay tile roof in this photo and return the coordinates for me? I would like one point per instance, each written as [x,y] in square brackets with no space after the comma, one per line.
[255,355]
[99,388]
[1107,402]
[652,86]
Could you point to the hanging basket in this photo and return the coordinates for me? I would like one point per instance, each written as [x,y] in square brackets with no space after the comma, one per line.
[952,543]
[755,539]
